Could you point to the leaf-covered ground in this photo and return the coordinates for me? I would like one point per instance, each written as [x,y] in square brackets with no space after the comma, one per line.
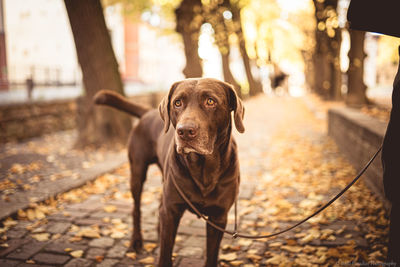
[289,167]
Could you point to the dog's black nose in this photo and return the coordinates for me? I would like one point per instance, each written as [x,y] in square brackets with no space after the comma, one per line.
[186,131]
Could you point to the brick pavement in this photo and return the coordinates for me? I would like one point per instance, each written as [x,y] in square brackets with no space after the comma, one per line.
[41,168]
[96,230]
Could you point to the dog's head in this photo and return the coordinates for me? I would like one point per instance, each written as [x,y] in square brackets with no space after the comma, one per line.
[200,111]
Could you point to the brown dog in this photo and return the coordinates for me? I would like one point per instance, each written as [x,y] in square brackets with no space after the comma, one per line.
[199,151]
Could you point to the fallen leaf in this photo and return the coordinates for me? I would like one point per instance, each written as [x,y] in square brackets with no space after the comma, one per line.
[99,258]
[89,233]
[294,249]
[148,260]
[131,255]
[76,253]
[110,208]
[39,214]
[41,237]
[149,247]
[275,244]
[228,257]
[245,242]
[17,168]
[30,214]
[277,259]
[236,263]
[9,222]
[127,244]
[118,235]
[75,239]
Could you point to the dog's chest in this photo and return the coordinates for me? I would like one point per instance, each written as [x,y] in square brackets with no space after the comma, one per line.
[204,172]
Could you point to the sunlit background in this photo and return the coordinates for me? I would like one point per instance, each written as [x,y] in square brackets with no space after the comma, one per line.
[39,44]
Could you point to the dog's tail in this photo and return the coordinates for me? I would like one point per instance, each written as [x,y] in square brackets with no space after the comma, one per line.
[112,99]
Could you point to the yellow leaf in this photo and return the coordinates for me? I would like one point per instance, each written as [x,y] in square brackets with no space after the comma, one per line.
[149,247]
[76,253]
[89,233]
[41,237]
[56,236]
[110,208]
[75,239]
[245,242]
[30,214]
[276,259]
[228,257]
[148,260]
[68,249]
[127,244]
[39,214]
[17,168]
[117,235]
[131,255]
[275,244]
[9,222]
[236,263]
[294,249]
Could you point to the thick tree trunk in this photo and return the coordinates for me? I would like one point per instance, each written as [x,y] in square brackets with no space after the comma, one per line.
[255,86]
[188,23]
[327,73]
[96,125]
[356,94]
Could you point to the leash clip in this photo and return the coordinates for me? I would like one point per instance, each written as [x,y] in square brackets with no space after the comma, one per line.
[235,235]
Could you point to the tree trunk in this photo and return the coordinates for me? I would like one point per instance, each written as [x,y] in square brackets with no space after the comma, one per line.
[255,86]
[214,15]
[356,94]
[336,72]
[188,23]
[228,76]
[309,70]
[326,58]
[96,125]
[321,67]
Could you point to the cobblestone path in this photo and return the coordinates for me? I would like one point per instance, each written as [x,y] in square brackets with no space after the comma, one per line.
[288,168]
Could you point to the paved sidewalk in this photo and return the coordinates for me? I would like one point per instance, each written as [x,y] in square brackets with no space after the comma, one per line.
[41,168]
[288,168]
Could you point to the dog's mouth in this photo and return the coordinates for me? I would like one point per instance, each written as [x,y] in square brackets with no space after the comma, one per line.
[186,147]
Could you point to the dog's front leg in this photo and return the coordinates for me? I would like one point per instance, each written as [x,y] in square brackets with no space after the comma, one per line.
[169,220]
[214,238]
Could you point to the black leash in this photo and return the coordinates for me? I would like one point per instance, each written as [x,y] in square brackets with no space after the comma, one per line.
[235,234]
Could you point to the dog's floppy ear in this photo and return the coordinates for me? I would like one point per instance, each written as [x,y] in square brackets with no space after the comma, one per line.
[164,107]
[236,105]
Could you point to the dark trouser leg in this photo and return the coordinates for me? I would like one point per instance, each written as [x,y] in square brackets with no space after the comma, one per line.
[391,171]
[394,235]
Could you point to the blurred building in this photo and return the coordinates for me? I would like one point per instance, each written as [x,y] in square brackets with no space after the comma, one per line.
[3,60]
[39,45]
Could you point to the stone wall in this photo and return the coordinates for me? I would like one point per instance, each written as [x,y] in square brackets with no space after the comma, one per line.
[25,120]
[358,137]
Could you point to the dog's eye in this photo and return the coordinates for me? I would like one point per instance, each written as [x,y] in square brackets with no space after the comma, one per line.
[178,103]
[210,102]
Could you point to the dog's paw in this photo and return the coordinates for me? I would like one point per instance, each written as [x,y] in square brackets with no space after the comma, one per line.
[136,245]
